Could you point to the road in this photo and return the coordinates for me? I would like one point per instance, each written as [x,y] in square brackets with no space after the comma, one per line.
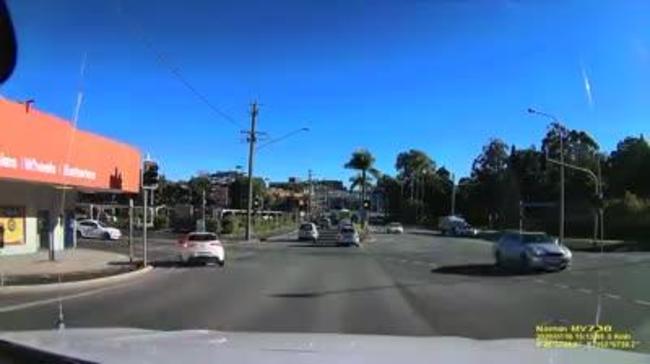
[417,283]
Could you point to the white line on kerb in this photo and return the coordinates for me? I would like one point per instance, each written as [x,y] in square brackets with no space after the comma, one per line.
[613,296]
[642,302]
[22,306]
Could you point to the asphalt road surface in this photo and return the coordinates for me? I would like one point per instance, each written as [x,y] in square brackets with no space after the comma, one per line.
[417,283]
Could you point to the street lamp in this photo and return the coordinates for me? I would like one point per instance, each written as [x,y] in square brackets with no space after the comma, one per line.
[562,165]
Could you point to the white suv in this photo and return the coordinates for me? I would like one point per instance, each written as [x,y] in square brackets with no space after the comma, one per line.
[308,231]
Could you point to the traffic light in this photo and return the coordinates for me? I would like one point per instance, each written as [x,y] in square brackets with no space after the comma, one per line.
[150,174]
[366,204]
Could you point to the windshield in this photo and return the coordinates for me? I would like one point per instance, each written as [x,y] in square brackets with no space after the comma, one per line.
[536,239]
[379,168]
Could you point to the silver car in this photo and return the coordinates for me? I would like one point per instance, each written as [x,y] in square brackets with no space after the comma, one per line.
[531,251]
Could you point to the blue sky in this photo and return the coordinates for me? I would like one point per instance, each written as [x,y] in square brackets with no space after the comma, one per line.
[441,76]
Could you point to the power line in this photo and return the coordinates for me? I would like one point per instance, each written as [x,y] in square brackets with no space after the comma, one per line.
[272,141]
[174,70]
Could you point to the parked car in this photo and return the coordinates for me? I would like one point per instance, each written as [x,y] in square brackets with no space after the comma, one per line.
[530,251]
[394,228]
[201,247]
[88,228]
[308,231]
[348,236]
[455,226]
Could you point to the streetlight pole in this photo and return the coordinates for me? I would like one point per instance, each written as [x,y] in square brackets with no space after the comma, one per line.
[562,165]
[597,183]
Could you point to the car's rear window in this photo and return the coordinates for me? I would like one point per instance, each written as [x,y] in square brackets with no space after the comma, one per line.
[306,227]
[395,224]
[201,237]
[347,230]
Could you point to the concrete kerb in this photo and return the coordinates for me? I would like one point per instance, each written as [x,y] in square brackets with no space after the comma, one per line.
[48,287]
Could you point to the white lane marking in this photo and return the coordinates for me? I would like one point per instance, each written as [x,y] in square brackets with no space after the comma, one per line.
[562,286]
[22,306]
[433,265]
[584,290]
[403,261]
[417,262]
[613,296]
[537,280]
[46,301]
[642,302]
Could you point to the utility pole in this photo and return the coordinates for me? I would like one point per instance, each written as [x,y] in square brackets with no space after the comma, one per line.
[252,138]
[131,230]
[203,205]
[453,195]
[601,196]
[561,185]
[311,192]
[144,227]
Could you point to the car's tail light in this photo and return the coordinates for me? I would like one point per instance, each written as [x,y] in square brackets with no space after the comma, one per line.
[182,243]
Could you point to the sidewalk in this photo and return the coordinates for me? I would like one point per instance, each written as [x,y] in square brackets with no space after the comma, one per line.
[70,265]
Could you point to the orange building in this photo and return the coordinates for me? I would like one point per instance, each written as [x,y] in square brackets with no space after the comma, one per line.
[44,162]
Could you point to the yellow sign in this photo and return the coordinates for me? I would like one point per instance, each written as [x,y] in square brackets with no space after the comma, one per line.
[12,220]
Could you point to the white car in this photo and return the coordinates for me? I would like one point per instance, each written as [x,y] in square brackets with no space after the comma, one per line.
[530,251]
[394,228]
[348,236]
[308,231]
[201,247]
[94,229]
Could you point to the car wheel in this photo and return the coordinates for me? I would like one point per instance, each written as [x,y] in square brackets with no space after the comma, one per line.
[221,263]
[106,236]
[79,235]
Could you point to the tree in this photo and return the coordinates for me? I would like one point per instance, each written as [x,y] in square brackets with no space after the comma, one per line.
[363,161]
[357,182]
[412,162]
[238,191]
[492,161]
[629,168]
[489,174]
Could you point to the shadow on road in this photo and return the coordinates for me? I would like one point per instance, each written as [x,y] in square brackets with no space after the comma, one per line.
[310,245]
[485,270]
[178,264]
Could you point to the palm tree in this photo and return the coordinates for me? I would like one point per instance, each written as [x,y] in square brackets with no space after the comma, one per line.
[356,181]
[361,160]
